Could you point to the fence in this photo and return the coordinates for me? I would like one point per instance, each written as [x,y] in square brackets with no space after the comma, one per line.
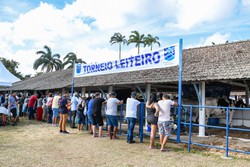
[187,121]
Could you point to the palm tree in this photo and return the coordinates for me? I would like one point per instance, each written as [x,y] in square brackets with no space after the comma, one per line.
[137,39]
[48,61]
[70,58]
[120,39]
[150,40]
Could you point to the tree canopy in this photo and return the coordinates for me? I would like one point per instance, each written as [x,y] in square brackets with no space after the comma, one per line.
[48,61]
[12,66]
[119,39]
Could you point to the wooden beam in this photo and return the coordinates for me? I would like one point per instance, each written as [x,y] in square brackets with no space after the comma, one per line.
[234,83]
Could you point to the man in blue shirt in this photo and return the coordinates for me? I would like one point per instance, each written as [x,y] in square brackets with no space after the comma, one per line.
[90,105]
[13,108]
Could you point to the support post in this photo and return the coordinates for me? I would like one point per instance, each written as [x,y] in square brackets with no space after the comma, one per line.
[247,96]
[83,91]
[202,115]
[63,90]
[110,89]
[178,138]
[103,93]
[73,84]
[143,95]
[148,92]
[142,109]
[89,93]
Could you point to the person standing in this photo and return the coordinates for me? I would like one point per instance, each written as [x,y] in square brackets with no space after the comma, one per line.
[63,110]
[131,115]
[31,106]
[73,107]
[97,114]
[39,110]
[111,114]
[13,108]
[21,102]
[164,122]
[80,113]
[25,106]
[55,108]
[152,108]
[49,108]
[44,107]
[89,111]
[2,99]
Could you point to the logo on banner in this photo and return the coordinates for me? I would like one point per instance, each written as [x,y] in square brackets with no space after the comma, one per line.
[169,53]
[78,68]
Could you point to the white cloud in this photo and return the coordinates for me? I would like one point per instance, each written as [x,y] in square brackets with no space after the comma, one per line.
[216,38]
[85,27]
[196,12]
[46,23]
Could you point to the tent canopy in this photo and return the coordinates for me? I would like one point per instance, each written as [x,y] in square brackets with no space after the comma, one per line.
[6,77]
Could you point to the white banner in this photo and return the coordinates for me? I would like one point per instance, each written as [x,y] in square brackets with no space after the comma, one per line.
[166,57]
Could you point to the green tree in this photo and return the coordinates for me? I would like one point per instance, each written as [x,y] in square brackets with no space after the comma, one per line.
[12,66]
[70,58]
[150,41]
[119,39]
[137,38]
[48,61]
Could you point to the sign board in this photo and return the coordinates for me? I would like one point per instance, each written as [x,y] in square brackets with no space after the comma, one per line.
[165,57]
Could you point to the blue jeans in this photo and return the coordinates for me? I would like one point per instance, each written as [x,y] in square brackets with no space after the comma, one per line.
[131,125]
[31,111]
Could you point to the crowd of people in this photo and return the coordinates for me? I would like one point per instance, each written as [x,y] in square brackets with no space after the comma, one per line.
[55,109]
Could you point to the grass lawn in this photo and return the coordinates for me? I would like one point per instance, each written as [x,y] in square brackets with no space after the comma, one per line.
[33,143]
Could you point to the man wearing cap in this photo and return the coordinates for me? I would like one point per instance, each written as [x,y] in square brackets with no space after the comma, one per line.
[111,114]
[73,107]
[131,111]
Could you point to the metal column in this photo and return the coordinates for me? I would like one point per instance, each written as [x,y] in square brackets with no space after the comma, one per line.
[202,115]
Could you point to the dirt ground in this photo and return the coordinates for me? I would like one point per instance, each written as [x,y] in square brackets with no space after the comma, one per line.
[33,143]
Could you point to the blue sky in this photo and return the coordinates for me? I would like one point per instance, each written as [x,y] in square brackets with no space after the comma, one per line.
[85,26]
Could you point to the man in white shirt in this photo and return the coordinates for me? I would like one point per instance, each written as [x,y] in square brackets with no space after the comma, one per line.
[111,114]
[55,108]
[131,111]
[74,104]
[164,123]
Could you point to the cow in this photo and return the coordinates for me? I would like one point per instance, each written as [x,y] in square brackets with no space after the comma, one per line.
[209,112]
[238,104]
